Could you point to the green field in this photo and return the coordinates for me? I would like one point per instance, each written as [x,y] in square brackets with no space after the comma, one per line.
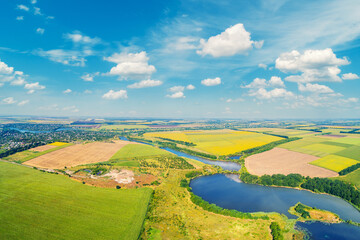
[334,162]
[351,152]
[320,149]
[141,155]
[348,140]
[28,155]
[353,177]
[38,205]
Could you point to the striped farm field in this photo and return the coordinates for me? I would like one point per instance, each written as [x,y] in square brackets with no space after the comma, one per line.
[77,154]
[334,162]
[220,142]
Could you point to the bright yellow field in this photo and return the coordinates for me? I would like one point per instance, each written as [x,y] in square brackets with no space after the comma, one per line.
[178,136]
[220,142]
[334,162]
[58,144]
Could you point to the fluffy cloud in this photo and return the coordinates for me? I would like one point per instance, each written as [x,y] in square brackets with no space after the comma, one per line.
[8,100]
[67,91]
[66,57]
[275,93]
[131,65]
[276,82]
[257,83]
[314,65]
[22,7]
[234,40]
[190,87]
[177,89]
[22,103]
[33,1]
[350,76]
[176,95]
[89,77]
[262,83]
[78,38]
[315,88]
[32,87]
[20,18]
[145,84]
[5,69]
[19,81]
[211,81]
[262,65]
[40,31]
[113,95]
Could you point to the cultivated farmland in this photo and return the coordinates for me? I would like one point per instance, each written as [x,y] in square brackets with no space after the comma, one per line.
[77,154]
[219,142]
[283,161]
[334,162]
[38,205]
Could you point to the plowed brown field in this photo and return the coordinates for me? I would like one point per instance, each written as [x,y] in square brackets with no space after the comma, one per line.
[283,161]
[77,155]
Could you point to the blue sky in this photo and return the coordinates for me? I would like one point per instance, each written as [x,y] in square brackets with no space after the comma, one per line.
[180,59]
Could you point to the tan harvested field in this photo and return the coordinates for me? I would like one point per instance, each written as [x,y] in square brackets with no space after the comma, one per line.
[283,161]
[42,148]
[77,155]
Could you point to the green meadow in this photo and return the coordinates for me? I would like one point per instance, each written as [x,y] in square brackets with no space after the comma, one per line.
[39,205]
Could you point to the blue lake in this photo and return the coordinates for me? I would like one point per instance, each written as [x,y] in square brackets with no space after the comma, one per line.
[228,192]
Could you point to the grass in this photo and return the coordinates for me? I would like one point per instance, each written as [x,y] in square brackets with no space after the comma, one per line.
[37,205]
[220,142]
[141,155]
[353,177]
[174,216]
[351,152]
[348,140]
[334,162]
[28,155]
[320,150]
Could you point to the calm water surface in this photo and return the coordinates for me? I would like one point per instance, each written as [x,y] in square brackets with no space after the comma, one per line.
[228,193]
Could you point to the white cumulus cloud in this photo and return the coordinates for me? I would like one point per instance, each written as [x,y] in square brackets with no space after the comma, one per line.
[67,91]
[131,65]
[350,76]
[176,95]
[314,65]
[275,93]
[315,88]
[190,87]
[145,84]
[234,40]
[79,38]
[20,18]
[32,87]
[211,81]
[113,95]
[89,77]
